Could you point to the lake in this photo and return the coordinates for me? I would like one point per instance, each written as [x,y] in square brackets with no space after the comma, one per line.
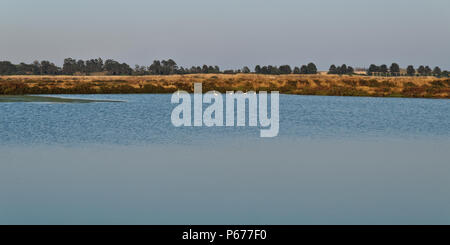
[337,160]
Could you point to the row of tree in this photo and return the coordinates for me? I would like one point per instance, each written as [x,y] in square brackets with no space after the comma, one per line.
[169,67]
[111,67]
[36,68]
[394,70]
[70,67]
[341,70]
[108,67]
[284,69]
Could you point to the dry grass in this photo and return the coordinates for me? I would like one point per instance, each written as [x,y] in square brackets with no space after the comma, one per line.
[320,84]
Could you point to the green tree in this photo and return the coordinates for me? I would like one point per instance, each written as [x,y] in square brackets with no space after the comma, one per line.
[304,69]
[437,71]
[285,69]
[342,69]
[273,70]
[24,69]
[113,67]
[395,69]
[7,68]
[69,66]
[264,70]
[94,65]
[350,70]
[373,69]
[410,70]
[428,71]
[205,69]
[48,68]
[312,69]
[140,70]
[332,70]
[383,69]
[36,68]
[258,69]
[421,70]
[155,68]
[81,66]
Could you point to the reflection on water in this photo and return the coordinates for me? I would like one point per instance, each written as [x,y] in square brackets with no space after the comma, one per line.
[336,161]
[44,99]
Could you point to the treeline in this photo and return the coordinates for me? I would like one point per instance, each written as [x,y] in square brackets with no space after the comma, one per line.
[36,68]
[169,67]
[341,70]
[111,67]
[98,66]
[285,69]
[394,70]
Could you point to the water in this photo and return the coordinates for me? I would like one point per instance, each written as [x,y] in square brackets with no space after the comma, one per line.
[337,160]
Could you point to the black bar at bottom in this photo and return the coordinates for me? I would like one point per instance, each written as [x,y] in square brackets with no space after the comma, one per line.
[227,234]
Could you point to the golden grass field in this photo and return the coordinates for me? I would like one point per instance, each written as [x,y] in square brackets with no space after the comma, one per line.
[320,84]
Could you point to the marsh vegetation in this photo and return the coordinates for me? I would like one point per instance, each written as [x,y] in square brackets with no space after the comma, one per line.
[318,84]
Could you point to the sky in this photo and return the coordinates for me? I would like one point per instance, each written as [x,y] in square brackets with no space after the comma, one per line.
[230,33]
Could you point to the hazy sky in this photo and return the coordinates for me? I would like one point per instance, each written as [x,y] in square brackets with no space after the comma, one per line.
[229,33]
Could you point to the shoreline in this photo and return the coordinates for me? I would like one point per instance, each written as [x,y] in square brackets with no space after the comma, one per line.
[49,99]
[320,84]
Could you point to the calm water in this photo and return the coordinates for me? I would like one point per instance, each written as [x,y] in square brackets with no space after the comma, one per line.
[337,160]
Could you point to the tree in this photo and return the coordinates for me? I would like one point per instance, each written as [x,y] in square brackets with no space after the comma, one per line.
[304,69]
[273,70]
[7,68]
[395,69]
[312,69]
[155,68]
[36,68]
[113,67]
[437,71]
[421,70]
[428,71]
[94,65]
[48,68]
[245,69]
[140,70]
[171,67]
[125,69]
[342,69]
[383,69]
[24,69]
[69,66]
[168,67]
[332,70]
[373,69]
[81,66]
[410,70]
[204,69]
[296,70]
[264,70]
[285,69]
[350,70]
[258,69]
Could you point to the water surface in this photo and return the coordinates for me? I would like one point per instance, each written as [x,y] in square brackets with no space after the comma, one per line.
[337,160]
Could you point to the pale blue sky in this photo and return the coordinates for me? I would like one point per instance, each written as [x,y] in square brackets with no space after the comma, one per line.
[229,33]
